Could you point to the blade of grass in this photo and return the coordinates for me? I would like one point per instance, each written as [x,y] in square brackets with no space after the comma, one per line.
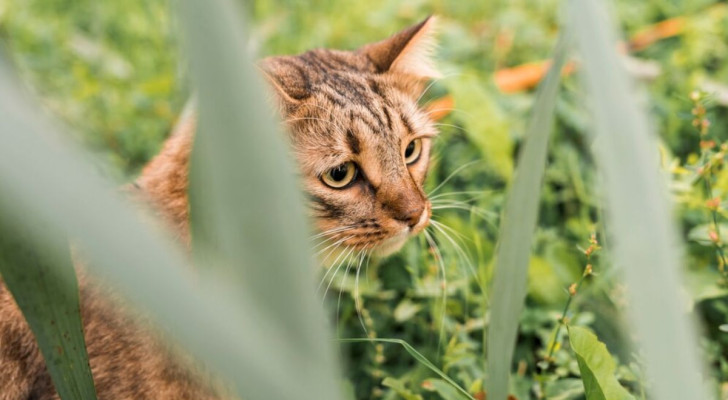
[43,283]
[41,178]
[645,241]
[417,356]
[519,223]
[244,187]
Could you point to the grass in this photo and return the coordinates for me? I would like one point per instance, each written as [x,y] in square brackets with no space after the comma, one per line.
[114,75]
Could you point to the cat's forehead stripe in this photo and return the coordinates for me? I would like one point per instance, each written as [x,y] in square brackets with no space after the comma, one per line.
[353,142]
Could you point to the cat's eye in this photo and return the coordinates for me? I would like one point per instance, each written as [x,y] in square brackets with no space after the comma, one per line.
[412,151]
[340,176]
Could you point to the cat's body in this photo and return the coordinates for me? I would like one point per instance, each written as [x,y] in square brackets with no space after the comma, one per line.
[362,145]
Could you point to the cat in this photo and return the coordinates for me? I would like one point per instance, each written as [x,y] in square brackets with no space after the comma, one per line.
[362,145]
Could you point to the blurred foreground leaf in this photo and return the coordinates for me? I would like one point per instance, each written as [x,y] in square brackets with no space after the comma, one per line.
[645,241]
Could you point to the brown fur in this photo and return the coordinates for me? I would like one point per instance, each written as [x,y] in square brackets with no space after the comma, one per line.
[339,107]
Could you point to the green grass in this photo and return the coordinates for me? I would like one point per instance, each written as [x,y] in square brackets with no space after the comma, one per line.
[113,73]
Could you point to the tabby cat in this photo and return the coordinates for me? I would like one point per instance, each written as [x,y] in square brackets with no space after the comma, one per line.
[362,146]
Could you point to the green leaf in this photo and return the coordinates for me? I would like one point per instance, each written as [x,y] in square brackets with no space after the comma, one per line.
[43,283]
[399,387]
[544,284]
[518,225]
[640,222]
[405,310]
[596,365]
[701,233]
[445,390]
[417,356]
[565,389]
[485,123]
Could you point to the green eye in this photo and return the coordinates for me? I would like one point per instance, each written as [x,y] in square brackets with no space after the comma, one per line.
[340,176]
[412,152]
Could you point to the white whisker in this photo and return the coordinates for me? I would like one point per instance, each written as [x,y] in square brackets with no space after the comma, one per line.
[440,262]
[451,175]
[357,299]
[341,288]
[333,230]
[452,110]
[477,193]
[334,268]
[460,128]
[459,251]
[333,244]
[450,75]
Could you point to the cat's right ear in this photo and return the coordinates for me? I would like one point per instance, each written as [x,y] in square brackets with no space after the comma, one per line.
[407,53]
[287,79]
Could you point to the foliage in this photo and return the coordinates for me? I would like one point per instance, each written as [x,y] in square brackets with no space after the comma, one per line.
[596,366]
[112,71]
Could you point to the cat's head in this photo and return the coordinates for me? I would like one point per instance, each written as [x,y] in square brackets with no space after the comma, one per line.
[361,141]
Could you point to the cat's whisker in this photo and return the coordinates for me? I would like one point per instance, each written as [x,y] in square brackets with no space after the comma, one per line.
[484,214]
[357,298]
[440,227]
[452,231]
[446,76]
[333,265]
[477,193]
[458,170]
[343,278]
[324,241]
[336,271]
[462,203]
[451,110]
[441,263]
[366,268]
[339,241]
[333,230]
[460,128]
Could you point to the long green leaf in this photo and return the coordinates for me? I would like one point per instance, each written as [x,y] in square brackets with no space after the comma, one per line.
[639,219]
[519,223]
[43,283]
[417,356]
[42,176]
[596,366]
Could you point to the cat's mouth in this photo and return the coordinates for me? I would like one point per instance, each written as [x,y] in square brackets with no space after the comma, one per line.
[394,243]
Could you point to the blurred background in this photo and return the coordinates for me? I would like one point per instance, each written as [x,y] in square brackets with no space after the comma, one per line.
[115,74]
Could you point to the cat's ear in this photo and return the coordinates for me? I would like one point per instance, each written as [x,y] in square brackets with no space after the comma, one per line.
[287,79]
[408,52]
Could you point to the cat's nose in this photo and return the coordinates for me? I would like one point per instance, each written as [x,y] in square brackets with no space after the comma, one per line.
[412,216]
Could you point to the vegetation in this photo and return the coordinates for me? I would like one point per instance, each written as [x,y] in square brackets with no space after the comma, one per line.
[417,325]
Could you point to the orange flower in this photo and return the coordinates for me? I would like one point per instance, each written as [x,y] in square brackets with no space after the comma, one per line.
[713,203]
[707,144]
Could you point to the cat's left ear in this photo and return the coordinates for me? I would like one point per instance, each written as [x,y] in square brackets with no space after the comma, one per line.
[408,52]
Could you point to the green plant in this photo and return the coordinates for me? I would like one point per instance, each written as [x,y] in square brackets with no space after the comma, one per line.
[401,298]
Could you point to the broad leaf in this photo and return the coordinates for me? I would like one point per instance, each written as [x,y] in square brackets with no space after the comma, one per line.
[597,366]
